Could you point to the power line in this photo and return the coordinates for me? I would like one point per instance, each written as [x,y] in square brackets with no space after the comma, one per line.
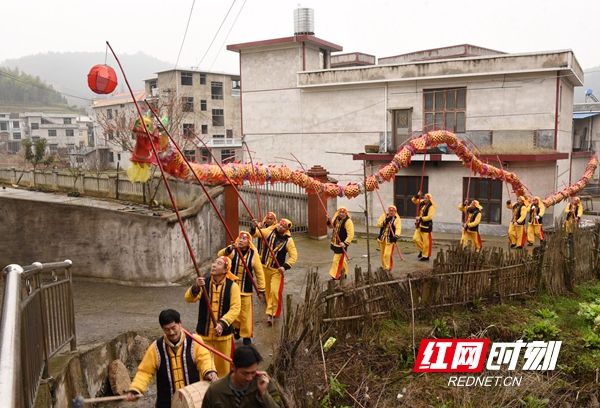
[213,40]
[185,34]
[227,36]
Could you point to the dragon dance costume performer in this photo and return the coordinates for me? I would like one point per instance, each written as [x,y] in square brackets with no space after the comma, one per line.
[471,225]
[390,228]
[282,244]
[343,234]
[224,295]
[534,228]
[244,324]
[422,237]
[516,229]
[574,211]
[175,359]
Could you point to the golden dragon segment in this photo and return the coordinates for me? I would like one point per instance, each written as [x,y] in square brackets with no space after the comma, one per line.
[175,165]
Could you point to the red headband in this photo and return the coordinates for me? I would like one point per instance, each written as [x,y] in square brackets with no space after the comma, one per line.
[270,214]
[224,259]
[244,234]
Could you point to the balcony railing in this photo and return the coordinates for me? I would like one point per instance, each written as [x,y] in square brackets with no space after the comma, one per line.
[229,142]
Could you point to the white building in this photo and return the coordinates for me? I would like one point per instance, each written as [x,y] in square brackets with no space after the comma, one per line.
[210,102]
[64,132]
[516,108]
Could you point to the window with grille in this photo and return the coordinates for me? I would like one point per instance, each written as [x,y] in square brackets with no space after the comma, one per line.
[51,132]
[445,109]
[70,132]
[202,79]
[406,187]
[66,121]
[16,135]
[216,90]
[205,129]
[203,105]
[35,126]
[186,79]
[489,194]
[217,117]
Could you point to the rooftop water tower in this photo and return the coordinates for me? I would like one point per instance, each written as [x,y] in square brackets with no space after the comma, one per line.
[304,21]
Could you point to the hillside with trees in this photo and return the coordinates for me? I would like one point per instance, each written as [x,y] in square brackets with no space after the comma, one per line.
[67,72]
[21,90]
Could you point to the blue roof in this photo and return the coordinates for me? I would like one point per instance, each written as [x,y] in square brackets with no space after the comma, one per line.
[583,115]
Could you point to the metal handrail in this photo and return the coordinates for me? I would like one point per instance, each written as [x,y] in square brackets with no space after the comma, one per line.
[37,321]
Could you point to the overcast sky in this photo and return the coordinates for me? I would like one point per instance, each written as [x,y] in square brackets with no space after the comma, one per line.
[378,27]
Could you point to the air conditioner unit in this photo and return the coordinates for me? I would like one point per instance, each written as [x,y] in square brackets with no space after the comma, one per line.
[155,91]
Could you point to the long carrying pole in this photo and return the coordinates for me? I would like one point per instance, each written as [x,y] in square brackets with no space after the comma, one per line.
[325,209]
[206,346]
[421,188]
[232,183]
[164,177]
[214,206]
[389,224]
[255,184]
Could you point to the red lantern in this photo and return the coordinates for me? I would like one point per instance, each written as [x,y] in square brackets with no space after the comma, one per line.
[102,79]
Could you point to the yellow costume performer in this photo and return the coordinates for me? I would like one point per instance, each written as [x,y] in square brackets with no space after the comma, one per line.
[534,228]
[390,228]
[574,211]
[516,229]
[281,243]
[244,325]
[175,359]
[224,295]
[424,225]
[471,225]
[343,233]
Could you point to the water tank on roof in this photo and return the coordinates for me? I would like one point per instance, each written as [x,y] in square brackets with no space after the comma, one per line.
[304,21]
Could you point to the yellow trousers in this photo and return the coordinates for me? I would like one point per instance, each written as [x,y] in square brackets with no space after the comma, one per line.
[223,345]
[245,320]
[535,230]
[424,242]
[387,252]
[569,226]
[516,235]
[333,272]
[474,237]
[272,284]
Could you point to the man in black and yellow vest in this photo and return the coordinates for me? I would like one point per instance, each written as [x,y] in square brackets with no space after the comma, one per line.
[534,228]
[343,233]
[424,225]
[471,224]
[516,230]
[574,211]
[175,359]
[390,228]
[225,304]
[244,324]
[281,244]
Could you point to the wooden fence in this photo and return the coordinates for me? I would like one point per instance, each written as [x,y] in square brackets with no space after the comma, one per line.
[459,277]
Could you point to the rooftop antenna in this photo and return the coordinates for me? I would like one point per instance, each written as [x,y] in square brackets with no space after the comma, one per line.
[590,97]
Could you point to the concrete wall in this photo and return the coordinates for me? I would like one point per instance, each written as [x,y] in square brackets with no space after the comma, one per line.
[110,245]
